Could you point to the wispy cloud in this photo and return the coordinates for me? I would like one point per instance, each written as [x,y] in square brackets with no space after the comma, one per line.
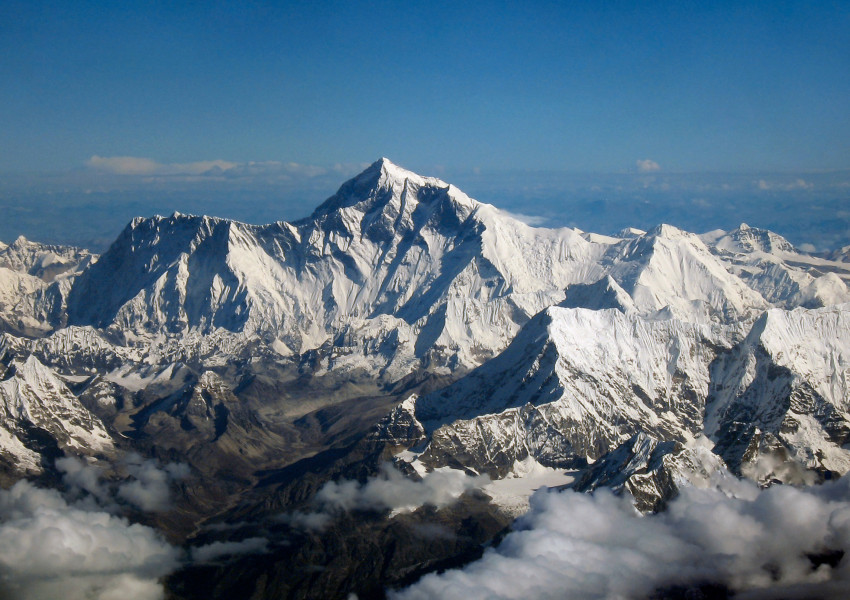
[134,165]
[756,543]
[393,490]
[212,552]
[784,186]
[150,486]
[647,165]
[533,220]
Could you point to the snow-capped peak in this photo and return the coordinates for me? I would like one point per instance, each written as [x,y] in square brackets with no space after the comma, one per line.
[391,171]
[391,194]
[630,232]
[45,261]
[669,231]
[752,239]
[34,395]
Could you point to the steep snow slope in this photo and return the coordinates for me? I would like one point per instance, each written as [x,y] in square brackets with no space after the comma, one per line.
[392,256]
[25,303]
[784,391]
[574,384]
[394,272]
[34,403]
[673,271]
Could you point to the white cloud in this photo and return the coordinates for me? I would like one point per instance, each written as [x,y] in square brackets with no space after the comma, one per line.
[134,165]
[82,478]
[52,550]
[389,490]
[393,490]
[784,186]
[146,168]
[647,165]
[756,543]
[147,484]
[533,220]
[313,521]
[123,165]
[215,550]
[150,489]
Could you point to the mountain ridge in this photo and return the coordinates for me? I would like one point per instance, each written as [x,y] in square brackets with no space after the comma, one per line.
[405,322]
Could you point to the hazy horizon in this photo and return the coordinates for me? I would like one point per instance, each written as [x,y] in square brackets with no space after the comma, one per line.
[90,206]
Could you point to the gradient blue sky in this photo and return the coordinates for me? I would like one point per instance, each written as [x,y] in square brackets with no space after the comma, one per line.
[131,103]
[583,86]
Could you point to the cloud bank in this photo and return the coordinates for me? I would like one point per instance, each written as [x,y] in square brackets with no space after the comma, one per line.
[784,186]
[758,544]
[134,165]
[50,550]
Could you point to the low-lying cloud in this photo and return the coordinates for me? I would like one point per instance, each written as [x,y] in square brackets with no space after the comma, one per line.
[784,186]
[215,550]
[393,490]
[50,549]
[150,487]
[757,543]
[147,484]
[390,490]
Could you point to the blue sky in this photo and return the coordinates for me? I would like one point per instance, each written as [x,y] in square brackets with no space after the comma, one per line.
[582,86]
[444,88]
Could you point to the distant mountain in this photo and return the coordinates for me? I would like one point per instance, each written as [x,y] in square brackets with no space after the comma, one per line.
[35,280]
[45,261]
[784,276]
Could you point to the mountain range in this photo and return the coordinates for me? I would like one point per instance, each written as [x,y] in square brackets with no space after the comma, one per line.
[406,326]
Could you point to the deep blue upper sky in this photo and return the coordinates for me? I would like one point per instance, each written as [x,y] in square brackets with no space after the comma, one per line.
[593,114]
[580,86]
